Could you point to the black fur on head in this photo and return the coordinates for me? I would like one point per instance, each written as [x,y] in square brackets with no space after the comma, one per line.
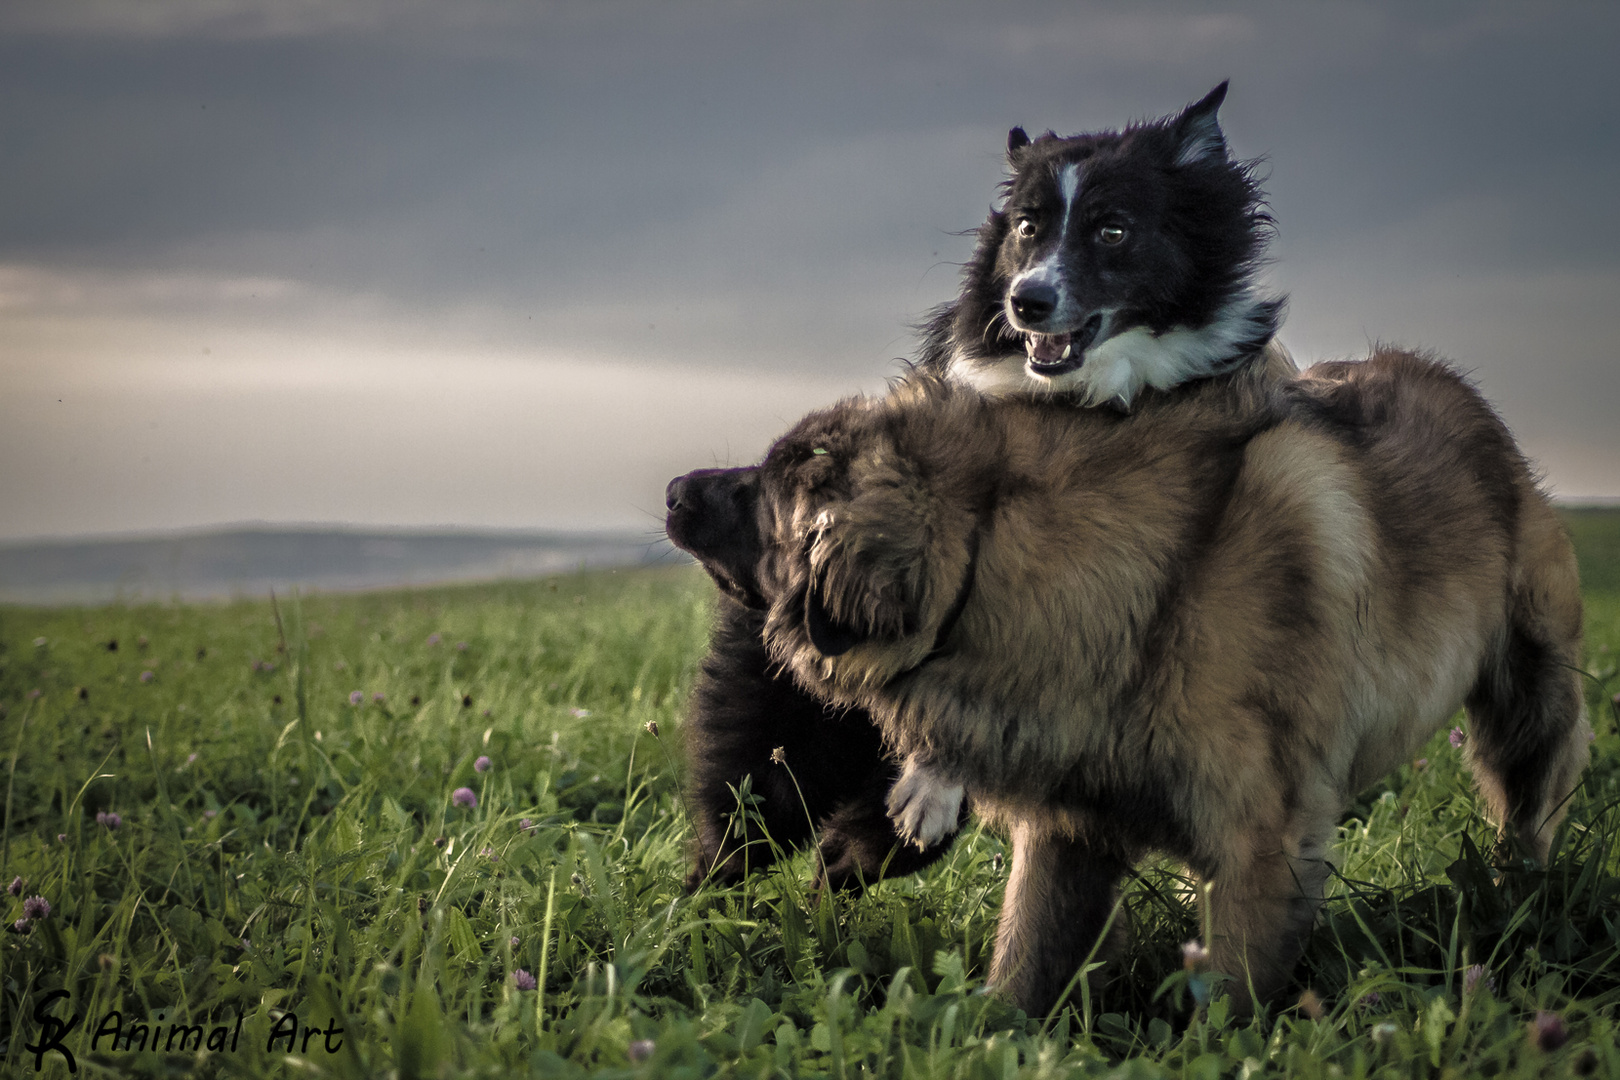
[712,516]
[1153,229]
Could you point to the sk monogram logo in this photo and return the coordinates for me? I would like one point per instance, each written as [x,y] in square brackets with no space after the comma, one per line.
[52,1031]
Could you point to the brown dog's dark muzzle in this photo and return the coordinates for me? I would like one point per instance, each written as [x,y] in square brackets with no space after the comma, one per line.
[713,515]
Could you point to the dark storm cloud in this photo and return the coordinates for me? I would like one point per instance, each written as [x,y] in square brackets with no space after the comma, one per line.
[762,191]
[586,151]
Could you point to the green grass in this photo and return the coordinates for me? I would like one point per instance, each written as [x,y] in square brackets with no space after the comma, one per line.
[286,856]
[1596,532]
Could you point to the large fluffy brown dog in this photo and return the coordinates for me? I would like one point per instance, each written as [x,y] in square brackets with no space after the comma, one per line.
[1200,629]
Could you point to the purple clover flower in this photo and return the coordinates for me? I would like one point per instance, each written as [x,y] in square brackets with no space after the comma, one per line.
[1477,975]
[528,826]
[641,1050]
[434,639]
[1456,736]
[482,764]
[463,796]
[356,697]
[523,980]
[148,676]
[36,907]
[1548,1032]
[111,821]
[16,886]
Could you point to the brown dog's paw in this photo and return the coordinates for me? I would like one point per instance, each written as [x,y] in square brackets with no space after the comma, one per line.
[925,806]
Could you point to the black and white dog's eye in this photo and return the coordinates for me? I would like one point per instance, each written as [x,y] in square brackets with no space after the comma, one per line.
[1025,228]
[1111,235]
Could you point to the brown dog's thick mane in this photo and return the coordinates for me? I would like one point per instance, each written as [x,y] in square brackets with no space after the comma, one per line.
[880,542]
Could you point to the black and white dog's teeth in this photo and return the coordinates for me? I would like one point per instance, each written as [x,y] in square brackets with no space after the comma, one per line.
[1030,347]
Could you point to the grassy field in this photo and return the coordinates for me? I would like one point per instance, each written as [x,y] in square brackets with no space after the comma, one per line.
[440,833]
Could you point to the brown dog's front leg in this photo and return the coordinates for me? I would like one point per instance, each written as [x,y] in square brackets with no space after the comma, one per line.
[1259,919]
[925,804]
[1059,897]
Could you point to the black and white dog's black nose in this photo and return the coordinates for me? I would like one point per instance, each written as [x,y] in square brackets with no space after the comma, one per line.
[1034,301]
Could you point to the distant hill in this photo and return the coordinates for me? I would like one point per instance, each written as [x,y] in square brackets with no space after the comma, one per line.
[251,561]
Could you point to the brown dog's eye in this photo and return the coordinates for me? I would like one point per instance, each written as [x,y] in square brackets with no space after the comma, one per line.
[1111,235]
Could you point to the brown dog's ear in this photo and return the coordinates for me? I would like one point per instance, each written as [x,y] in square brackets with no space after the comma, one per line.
[867,579]
[830,636]
[858,609]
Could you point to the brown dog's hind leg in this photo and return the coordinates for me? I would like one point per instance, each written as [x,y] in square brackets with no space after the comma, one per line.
[1060,894]
[1528,739]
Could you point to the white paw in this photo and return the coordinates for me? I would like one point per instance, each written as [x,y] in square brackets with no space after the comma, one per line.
[924,805]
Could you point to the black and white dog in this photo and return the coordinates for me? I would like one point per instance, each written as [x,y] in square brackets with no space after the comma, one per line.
[1117,260]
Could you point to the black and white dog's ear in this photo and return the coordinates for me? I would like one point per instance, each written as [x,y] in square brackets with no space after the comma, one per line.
[1017,142]
[1197,132]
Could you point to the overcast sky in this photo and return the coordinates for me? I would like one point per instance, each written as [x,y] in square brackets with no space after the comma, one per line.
[516,265]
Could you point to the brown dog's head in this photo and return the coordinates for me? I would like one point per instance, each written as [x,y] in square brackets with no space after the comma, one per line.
[855,534]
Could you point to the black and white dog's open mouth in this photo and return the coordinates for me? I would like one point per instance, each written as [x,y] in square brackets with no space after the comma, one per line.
[1051,355]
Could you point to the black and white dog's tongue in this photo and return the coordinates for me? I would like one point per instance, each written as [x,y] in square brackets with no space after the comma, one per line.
[1047,349]
[1055,354]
